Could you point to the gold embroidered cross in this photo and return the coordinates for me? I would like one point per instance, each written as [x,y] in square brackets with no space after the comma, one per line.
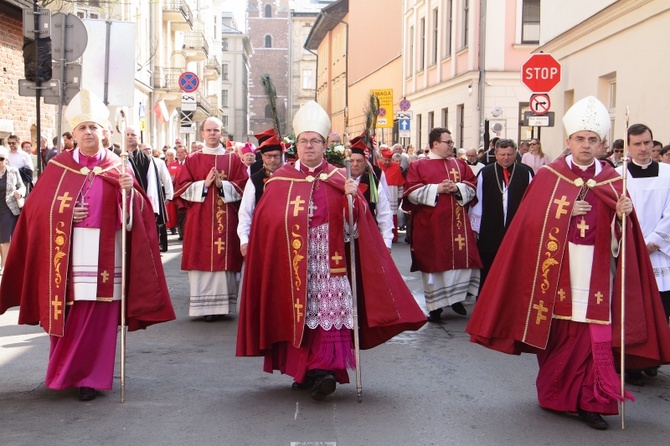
[219,245]
[561,206]
[599,297]
[582,226]
[223,175]
[454,173]
[298,306]
[541,309]
[297,205]
[57,307]
[105,276]
[337,257]
[461,242]
[561,294]
[65,200]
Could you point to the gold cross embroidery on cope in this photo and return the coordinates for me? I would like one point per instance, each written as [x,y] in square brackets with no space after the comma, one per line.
[65,200]
[297,205]
[599,297]
[541,309]
[562,203]
[454,173]
[337,258]
[298,314]
[105,276]
[461,242]
[57,307]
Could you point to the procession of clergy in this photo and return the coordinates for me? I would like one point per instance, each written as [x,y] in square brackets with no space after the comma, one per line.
[558,296]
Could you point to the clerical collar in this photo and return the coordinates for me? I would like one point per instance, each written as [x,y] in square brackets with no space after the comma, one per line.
[433,156]
[471,164]
[88,161]
[219,150]
[314,170]
[598,166]
[642,166]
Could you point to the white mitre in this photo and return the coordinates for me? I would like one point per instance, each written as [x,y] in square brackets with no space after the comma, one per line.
[86,107]
[311,118]
[587,114]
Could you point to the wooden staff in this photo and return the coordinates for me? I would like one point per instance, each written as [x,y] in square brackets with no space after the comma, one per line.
[624,176]
[354,293]
[121,127]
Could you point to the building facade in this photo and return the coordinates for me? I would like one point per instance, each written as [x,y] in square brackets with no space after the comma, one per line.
[235,54]
[18,113]
[268,29]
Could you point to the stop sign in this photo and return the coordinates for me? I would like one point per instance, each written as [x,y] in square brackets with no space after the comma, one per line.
[541,73]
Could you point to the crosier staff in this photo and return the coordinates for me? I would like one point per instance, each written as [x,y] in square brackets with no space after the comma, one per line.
[121,126]
[354,293]
[624,176]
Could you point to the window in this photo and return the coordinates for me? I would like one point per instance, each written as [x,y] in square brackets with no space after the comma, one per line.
[224,121]
[435,36]
[431,120]
[268,111]
[307,80]
[224,44]
[268,11]
[445,117]
[448,24]
[224,98]
[268,41]
[422,45]
[419,146]
[530,21]
[612,94]
[224,71]
[460,116]
[466,22]
[410,59]
[94,3]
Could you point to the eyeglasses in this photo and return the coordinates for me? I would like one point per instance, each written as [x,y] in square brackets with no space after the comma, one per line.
[273,157]
[533,144]
[313,142]
[13,143]
[449,143]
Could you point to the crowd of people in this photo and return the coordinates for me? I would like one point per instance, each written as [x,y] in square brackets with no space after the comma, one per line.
[232,202]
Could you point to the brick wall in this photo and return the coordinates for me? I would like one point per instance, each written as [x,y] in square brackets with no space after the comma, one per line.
[269,60]
[14,109]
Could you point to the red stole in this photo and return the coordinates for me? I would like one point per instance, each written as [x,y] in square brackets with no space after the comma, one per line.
[210,236]
[446,225]
[393,174]
[297,197]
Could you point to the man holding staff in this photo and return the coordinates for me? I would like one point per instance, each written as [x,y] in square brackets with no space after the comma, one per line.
[66,265]
[559,295]
[297,306]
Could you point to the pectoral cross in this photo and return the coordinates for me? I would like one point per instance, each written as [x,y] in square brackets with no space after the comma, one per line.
[65,200]
[562,203]
[461,242]
[582,226]
[541,309]
[105,276]
[219,245]
[454,173]
[298,306]
[297,205]
[311,209]
[57,307]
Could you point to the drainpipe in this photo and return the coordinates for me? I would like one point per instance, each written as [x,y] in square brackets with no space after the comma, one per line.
[482,68]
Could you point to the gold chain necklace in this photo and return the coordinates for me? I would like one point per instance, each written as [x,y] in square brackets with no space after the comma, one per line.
[504,186]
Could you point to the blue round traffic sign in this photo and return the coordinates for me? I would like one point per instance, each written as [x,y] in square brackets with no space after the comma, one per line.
[404,105]
[188,82]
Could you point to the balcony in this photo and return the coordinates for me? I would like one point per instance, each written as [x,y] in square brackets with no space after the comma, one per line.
[178,13]
[166,81]
[212,68]
[213,102]
[195,46]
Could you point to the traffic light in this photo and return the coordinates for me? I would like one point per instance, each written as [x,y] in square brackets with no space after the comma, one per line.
[37,58]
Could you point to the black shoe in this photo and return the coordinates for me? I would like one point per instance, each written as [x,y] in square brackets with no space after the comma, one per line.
[594,420]
[459,308]
[210,318]
[308,383]
[634,378]
[323,386]
[87,394]
[651,371]
[435,315]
